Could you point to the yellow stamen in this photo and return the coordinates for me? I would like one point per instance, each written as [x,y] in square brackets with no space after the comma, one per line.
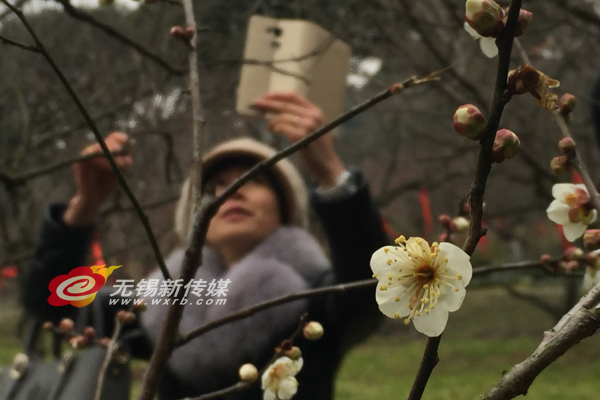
[397,299]
[458,276]
[382,287]
[389,262]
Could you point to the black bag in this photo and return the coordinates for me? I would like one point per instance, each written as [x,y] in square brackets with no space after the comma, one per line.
[72,375]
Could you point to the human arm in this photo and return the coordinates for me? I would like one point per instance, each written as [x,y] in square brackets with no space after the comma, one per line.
[67,230]
[296,117]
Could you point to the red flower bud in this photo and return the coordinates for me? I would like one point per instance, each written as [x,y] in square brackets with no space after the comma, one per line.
[125,317]
[544,258]
[567,104]
[485,16]
[469,122]
[506,145]
[560,165]
[89,333]
[66,324]
[178,32]
[591,239]
[567,147]
[525,18]
[573,253]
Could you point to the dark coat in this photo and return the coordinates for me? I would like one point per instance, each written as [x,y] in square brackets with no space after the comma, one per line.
[353,228]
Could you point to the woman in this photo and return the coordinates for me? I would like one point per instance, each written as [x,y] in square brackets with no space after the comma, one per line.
[257,243]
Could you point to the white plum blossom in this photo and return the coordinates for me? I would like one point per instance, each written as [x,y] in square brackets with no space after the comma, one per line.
[571,209]
[279,381]
[487,44]
[420,282]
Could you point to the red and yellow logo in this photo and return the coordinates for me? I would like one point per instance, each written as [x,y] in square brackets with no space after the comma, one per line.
[79,286]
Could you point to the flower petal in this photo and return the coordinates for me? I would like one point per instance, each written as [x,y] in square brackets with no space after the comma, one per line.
[432,324]
[389,306]
[458,261]
[387,260]
[418,248]
[488,47]
[594,216]
[287,388]
[474,34]
[558,212]
[450,299]
[560,190]
[573,231]
[269,395]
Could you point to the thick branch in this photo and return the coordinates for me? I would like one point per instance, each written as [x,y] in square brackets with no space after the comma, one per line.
[484,166]
[581,322]
[105,150]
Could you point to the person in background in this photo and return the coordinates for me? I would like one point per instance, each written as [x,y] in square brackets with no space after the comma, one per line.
[257,243]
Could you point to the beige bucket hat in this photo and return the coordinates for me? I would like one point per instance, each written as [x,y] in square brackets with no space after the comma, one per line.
[288,179]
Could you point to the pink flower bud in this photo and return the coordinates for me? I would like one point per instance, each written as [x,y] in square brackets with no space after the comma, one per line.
[461,223]
[485,16]
[444,237]
[469,122]
[313,330]
[525,18]
[591,239]
[567,147]
[567,104]
[544,258]
[294,353]
[446,222]
[89,333]
[48,326]
[189,33]
[571,266]
[560,165]
[573,253]
[105,341]
[178,32]
[125,317]
[66,324]
[77,342]
[248,373]
[506,145]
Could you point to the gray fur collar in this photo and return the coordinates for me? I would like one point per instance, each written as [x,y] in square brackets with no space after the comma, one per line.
[288,261]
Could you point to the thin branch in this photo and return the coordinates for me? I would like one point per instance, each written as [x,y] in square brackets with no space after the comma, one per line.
[22,178]
[210,205]
[248,312]
[198,122]
[580,322]
[147,206]
[105,150]
[239,386]
[484,166]
[112,346]
[578,163]
[6,40]
[83,16]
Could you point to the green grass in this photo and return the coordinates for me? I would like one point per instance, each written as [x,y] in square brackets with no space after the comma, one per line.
[489,334]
